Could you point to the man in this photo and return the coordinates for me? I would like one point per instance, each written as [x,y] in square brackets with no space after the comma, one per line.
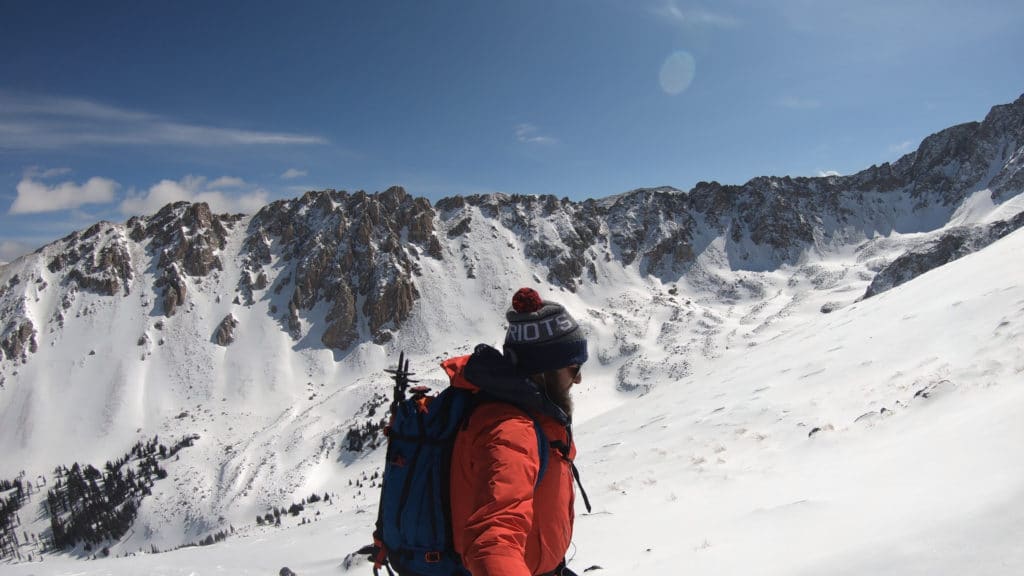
[504,521]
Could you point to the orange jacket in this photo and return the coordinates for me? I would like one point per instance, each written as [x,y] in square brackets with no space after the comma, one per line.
[502,524]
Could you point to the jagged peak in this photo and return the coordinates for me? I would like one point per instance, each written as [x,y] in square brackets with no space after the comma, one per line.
[1012,108]
[330,200]
[645,192]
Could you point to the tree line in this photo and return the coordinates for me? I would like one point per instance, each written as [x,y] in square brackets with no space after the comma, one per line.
[9,506]
[88,505]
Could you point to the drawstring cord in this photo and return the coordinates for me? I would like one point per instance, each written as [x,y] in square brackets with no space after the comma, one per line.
[563,449]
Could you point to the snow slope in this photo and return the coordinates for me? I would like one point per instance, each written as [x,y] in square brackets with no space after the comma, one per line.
[719,469]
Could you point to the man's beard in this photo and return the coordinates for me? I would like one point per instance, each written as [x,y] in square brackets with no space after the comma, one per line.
[559,396]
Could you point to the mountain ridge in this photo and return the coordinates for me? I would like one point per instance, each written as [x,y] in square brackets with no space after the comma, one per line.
[782,218]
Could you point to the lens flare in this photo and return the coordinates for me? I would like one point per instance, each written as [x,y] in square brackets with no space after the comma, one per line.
[677,72]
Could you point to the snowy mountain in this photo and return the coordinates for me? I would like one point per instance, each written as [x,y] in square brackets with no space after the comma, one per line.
[787,353]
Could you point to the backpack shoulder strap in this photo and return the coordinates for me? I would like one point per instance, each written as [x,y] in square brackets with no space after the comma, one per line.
[542,449]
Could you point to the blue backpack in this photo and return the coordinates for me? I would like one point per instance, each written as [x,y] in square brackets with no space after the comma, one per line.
[413,533]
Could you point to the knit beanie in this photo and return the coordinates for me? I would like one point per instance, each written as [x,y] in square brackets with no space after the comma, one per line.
[542,336]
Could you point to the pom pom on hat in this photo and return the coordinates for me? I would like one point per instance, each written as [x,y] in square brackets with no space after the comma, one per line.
[542,335]
[526,300]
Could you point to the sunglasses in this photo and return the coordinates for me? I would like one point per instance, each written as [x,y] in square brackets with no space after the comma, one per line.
[574,371]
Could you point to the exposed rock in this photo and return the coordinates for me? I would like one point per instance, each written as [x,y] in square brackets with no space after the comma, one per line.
[4,288]
[96,260]
[1010,180]
[676,248]
[955,162]
[261,281]
[955,244]
[341,330]
[935,389]
[190,236]
[174,290]
[461,228]
[187,239]
[395,302]
[225,333]
[819,429]
[830,307]
[257,247]
[294,324]
[340,247]
[18,339]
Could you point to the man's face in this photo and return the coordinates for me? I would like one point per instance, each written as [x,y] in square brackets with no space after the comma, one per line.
[559,384]
[575,374]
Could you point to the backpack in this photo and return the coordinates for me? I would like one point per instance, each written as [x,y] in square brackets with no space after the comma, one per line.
[413,532]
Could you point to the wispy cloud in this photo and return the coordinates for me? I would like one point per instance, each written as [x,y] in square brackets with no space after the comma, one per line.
[51,122]
[11,249]
[193,189]
[796,103]
[293,173]
[826,173]
[35,196]
[902,148]
[528,133]
[693,17]
[39,173]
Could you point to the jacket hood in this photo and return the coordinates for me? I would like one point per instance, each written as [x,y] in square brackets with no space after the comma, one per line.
[495,375]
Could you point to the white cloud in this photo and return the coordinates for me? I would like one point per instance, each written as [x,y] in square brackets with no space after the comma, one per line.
[672,12]
[292,173]
[227,182]
[35,196]
[193,189]
[528,133]
[50,122]
[826,173]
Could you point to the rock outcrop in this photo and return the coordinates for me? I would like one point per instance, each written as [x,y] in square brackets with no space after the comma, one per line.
[225,333]
[341,248]
[951,246]
[96,260]
[186,240]
[18,339]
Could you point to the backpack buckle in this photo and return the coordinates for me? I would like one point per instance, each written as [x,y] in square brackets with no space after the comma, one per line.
[432,557]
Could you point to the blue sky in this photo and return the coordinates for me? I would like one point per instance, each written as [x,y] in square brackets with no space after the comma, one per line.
[112,109]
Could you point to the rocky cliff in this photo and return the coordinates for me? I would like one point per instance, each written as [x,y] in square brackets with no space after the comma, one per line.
[357,253]
[947,247]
